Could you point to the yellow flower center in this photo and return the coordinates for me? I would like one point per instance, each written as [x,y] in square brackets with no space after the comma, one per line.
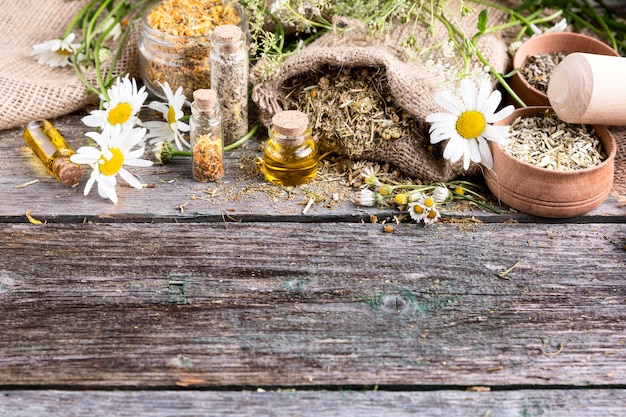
[385,190]
[459,191]
[470,124]
[400,199]
[120,114]
[111,166]
[171,115]
[432,214]
[418,209]
[65,52]
[429,202]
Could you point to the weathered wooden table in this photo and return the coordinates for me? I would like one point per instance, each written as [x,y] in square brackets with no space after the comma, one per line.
[194,299]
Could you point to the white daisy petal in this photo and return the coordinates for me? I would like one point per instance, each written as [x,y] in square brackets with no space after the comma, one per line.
[503,113]
[450,102]
[441,117]
[130,179]
[105,190]
[484,93]
[138,163]
[485,153]
[468,91]
[474,153]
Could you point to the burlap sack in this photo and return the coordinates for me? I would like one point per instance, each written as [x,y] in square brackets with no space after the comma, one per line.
[31,90]
[412,83]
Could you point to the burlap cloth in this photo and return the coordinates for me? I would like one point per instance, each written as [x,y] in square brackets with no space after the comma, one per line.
[31,91]
[412,83]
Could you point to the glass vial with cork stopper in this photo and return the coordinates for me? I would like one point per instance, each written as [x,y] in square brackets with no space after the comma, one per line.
[290,153]
[52,150]
[205,134]
[230,74]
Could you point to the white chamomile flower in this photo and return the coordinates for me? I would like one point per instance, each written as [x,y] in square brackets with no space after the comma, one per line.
[116,151]
[425,210]
[56,52]
[431,215]
[415,195]
[440,193]
[560,26]
[170,130]
[116,28]
[121,109]
[468,125]
[417,211]
[367,198]
[370,177]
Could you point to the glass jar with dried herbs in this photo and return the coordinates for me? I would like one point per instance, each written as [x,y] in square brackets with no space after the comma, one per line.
[230,70]
[175,42]
[205,134]
[290,155]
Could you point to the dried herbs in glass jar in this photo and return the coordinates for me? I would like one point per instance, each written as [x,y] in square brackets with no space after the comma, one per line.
[175,42]
[230,70]
[205,133]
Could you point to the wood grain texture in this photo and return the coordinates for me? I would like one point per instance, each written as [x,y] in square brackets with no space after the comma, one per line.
[531,403]
[312,305]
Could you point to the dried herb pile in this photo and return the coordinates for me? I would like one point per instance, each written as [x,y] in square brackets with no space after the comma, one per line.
[538,68]
[352,110]
[547,142]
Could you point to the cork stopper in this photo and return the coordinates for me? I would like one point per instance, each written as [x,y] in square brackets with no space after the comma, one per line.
[205,100]
[290,123]
[227,38]
[66,171]
[227,33]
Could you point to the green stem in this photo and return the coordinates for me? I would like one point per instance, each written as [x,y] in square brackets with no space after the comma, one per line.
[242,140]
[602,23]
[79,16]
[500,79]
[176,152]
[478,203]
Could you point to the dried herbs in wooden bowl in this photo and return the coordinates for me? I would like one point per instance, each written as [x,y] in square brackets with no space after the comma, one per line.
[550,168]
[538,56]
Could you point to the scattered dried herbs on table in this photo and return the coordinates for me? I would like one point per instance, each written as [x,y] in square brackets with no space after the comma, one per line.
[352,110]
[537,69]
[547,142]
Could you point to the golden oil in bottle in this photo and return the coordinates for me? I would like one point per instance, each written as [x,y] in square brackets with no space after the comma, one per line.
[290,154]
[52,150]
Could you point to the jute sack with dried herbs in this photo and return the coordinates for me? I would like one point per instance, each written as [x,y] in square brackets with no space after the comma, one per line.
[31,90]
[411,82]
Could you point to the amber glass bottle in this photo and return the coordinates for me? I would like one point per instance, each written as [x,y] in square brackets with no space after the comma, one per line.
[52,151]
[290,153]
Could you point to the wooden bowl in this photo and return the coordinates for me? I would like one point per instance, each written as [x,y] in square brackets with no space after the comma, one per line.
[567,42]
[548,193]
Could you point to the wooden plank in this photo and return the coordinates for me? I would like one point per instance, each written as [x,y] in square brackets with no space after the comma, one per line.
[545,403]
[305,304]
[172,195]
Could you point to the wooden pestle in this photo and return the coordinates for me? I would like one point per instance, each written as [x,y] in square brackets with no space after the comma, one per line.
[589,88]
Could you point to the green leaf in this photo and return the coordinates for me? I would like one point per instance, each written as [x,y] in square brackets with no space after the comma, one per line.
[482,21]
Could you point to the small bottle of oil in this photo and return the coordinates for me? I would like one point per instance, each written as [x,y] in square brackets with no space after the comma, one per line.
[205,134]
[53,151]
[290,153]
